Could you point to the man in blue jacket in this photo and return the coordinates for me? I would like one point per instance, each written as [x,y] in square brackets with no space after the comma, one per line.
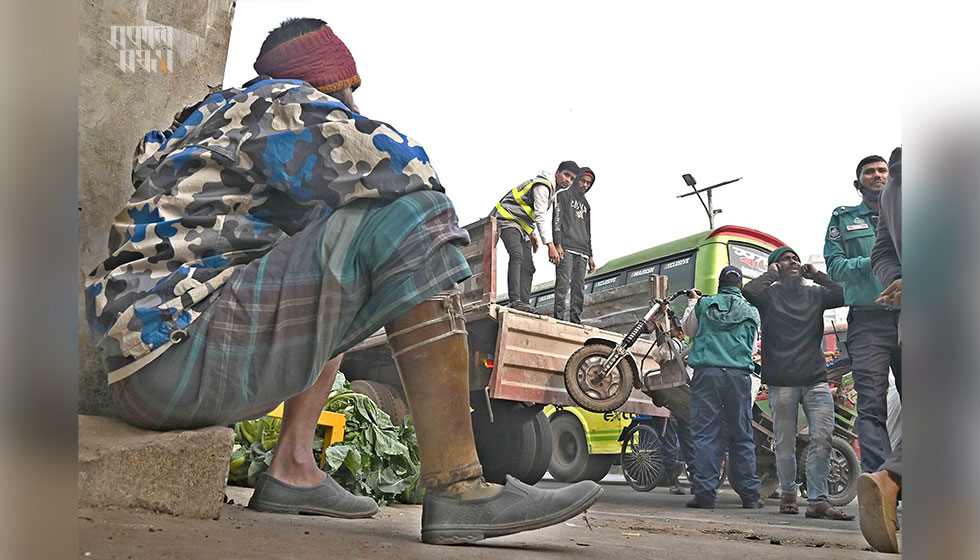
[724,328]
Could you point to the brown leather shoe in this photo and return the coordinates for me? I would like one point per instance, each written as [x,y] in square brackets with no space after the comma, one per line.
[877,500]
[787,503]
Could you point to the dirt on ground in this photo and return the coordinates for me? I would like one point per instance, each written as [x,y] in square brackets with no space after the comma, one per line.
[654,527]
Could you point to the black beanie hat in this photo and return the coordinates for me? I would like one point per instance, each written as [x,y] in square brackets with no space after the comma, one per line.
[586,171]
[774,256]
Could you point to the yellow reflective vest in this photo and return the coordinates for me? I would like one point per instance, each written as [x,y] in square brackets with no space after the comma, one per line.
[518,204]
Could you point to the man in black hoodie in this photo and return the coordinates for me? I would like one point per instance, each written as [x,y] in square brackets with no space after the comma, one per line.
[794,368]
[573,239]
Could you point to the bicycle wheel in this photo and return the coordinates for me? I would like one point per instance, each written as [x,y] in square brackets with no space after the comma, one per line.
[641,458]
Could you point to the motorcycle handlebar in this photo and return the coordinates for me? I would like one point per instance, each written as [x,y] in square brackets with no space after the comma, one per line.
[681,293]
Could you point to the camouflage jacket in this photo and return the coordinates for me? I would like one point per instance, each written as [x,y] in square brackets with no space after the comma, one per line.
[232,177]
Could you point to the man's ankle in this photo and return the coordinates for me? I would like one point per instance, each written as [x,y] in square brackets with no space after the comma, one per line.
[295,471]
[470,489]
[894,477]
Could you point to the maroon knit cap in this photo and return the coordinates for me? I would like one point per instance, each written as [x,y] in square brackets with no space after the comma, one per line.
[318,58]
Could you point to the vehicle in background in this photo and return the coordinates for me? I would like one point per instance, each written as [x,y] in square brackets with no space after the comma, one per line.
[517,361]
[586,444]
[616,293]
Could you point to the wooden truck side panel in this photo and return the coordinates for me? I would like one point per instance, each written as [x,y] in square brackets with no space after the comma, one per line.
[531,355]
[528,351]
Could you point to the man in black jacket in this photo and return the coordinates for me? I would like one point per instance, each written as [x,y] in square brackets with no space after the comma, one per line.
[794,368]
[573,239]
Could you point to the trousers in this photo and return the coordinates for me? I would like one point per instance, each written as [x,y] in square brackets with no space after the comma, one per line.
[520,266]
[872,341]
[723,394]
[818,406]
[570,285]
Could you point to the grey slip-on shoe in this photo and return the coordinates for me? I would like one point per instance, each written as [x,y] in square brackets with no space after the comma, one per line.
[327,498]
[518,507]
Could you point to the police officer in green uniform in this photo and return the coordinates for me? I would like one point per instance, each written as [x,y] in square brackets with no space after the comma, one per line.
[872,328]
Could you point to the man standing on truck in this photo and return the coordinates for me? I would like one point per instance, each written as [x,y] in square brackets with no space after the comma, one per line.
[573,239]
[523,209]
[724,328]
[872,327]
[272,228]
[794,368]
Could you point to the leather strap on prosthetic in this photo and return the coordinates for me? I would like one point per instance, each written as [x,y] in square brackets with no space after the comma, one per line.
[457,325]
[428,344]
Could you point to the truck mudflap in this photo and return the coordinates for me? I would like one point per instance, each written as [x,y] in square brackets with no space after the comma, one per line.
[530,359]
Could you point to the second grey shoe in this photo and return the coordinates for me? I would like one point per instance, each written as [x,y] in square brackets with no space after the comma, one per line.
[518,507]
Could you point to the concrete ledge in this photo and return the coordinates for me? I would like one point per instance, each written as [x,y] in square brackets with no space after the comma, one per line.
[181,472]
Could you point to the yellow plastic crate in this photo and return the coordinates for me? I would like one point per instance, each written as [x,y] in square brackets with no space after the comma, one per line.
[333,422]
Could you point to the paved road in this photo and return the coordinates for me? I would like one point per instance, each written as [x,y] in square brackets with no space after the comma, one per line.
[624,522]
[660,507]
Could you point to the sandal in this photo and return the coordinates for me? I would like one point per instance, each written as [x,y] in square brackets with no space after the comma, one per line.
[787,503]
[824,510]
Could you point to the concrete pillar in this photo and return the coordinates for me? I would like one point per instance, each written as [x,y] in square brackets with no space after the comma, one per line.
[117,105]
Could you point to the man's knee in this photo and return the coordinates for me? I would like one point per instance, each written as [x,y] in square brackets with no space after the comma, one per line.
[516,255]
[873,404]
[527,263]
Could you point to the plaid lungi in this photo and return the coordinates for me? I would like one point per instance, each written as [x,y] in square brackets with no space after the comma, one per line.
[266,335]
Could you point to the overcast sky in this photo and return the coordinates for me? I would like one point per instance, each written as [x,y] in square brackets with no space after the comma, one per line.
[788,95]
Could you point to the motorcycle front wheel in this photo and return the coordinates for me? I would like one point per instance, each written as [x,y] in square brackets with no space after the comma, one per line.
[589,388]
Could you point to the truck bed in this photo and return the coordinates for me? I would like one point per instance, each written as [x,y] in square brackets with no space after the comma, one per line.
[513,355]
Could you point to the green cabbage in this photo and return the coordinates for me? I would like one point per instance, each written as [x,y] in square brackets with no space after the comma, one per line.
[375,458]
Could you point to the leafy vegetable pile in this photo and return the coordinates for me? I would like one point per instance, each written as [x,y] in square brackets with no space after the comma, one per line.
[375,459]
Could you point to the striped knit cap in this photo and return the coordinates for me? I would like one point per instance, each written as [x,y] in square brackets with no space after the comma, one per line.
[318,58]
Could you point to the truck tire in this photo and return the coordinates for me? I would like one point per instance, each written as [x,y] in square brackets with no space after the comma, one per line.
[570,458]
[387,399]
[595,395]
[543,446]
[599,467]
[514,443]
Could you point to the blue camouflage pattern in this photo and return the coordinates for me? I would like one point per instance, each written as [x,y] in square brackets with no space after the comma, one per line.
[231,178]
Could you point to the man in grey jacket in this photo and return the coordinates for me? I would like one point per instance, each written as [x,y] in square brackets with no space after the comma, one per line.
[878,491]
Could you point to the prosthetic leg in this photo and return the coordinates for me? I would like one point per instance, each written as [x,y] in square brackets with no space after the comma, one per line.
[428,344]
